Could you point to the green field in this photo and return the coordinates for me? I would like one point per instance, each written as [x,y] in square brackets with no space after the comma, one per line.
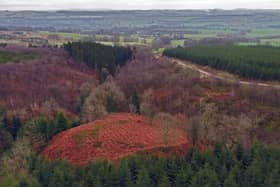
[64,34]
[275,42]
[247,43]
[7,57]
[176,43]
[258,33]
[203,34]
[272,42]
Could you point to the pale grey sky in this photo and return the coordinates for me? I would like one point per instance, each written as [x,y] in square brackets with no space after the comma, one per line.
[136,4]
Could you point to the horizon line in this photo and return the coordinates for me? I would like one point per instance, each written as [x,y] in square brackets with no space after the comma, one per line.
[152,9]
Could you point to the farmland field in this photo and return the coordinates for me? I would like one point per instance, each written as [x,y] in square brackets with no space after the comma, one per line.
[264,33]
[176,43]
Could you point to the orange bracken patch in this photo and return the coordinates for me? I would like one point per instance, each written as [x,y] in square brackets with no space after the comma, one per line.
[112,138]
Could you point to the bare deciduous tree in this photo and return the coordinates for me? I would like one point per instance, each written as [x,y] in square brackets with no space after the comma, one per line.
[95,104]
[167,123]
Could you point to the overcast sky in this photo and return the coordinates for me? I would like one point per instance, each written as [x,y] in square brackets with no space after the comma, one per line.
[136,4]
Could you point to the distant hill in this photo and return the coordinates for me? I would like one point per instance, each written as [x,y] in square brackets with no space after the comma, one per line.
[139,21]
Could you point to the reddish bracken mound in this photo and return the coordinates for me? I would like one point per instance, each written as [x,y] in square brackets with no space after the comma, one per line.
[113,138]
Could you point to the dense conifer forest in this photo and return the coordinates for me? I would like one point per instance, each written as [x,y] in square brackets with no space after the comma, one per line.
[259,166]
[253,62]
[104,59]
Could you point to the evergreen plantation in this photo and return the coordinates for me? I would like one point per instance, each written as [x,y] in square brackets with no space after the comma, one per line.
[259,166]
[254,62]
[104,59]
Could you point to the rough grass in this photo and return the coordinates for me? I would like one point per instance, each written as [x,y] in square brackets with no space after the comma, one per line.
[81,136]
[122,122]
[273,123]
[98,144]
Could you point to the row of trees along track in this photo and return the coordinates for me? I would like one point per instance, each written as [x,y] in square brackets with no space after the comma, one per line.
[104,59]
[253,62]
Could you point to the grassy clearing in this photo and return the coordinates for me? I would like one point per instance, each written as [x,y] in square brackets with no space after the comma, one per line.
[80,137]
[12,57]
[122,122]
[94,133]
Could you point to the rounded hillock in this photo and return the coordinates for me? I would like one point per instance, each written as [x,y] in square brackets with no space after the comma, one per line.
[114,137]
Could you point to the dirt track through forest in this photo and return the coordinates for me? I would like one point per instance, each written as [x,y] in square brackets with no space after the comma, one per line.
[189,65]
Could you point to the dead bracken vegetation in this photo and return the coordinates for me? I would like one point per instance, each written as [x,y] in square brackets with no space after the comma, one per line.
[113,138]
[44,85]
